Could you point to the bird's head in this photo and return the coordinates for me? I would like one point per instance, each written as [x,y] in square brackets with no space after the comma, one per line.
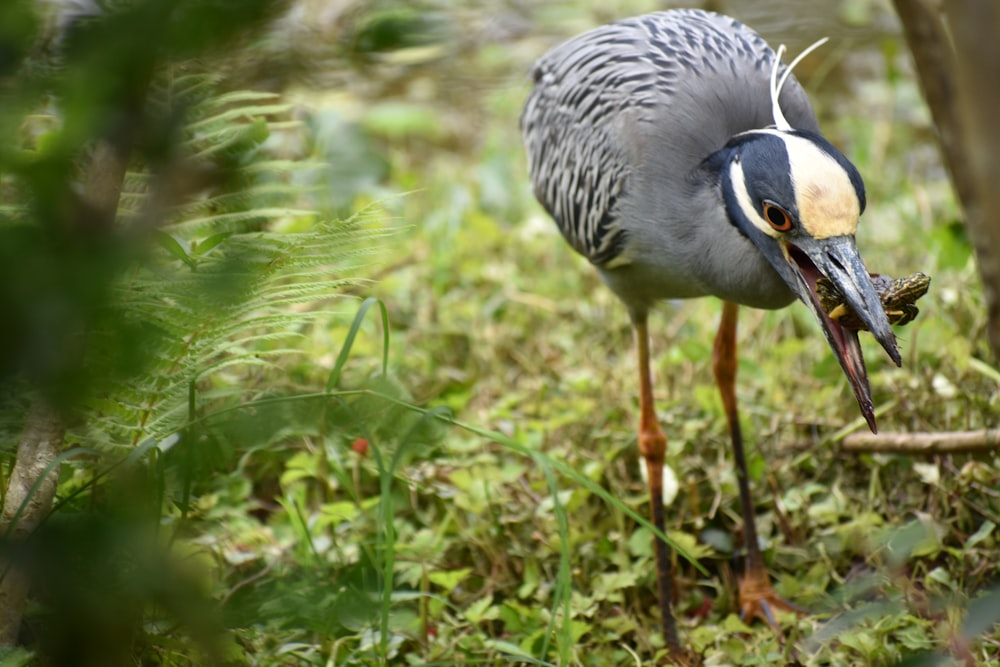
[798,199]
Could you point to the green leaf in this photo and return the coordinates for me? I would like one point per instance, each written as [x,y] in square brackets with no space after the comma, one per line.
[984,531]
[175,246]
[339,512]
[983,614]
[481,610]
[345,350]
[208,244]
[733,624]
[941,576]
[507,648]
[449,579]
[609,582]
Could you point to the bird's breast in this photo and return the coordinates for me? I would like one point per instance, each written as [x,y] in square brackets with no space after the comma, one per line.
[715,260]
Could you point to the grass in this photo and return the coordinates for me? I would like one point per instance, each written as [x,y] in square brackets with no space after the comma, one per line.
[514,536]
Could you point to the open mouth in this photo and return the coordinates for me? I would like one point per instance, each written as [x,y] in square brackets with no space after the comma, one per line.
[810,274]
[843,341]
[806,267]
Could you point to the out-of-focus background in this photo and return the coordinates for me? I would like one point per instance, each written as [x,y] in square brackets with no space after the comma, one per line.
[244,371]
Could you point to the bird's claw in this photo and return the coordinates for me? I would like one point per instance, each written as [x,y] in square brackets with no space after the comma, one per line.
[758,600]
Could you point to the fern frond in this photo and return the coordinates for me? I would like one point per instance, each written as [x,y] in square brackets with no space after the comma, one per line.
[226,292]
[225,117]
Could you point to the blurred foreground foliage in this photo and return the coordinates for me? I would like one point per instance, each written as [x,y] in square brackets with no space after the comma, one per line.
[247,479]
[167,331]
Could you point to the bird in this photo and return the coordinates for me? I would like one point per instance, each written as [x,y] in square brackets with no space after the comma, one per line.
[678,155]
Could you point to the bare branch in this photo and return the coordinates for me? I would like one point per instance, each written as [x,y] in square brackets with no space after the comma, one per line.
[960,442]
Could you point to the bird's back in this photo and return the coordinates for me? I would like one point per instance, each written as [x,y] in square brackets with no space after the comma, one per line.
[620,117]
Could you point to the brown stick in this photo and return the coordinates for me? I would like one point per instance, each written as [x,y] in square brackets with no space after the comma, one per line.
[961,442]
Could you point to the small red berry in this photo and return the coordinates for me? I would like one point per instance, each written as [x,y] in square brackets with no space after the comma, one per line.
[360,445]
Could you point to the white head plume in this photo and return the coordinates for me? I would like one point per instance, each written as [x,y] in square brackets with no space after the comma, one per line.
[779,118]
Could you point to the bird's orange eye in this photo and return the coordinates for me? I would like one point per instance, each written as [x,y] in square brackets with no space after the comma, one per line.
[777,217]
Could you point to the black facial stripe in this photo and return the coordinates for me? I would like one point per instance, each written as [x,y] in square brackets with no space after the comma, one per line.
[766,167]
[768,170]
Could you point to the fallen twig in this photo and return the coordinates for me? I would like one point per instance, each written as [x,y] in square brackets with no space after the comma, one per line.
[960,442]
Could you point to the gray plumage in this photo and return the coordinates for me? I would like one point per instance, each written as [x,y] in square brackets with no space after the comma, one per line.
[616,128]
[650,142]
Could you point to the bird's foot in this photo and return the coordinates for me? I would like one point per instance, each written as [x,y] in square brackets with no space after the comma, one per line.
[758,599]
[682,658]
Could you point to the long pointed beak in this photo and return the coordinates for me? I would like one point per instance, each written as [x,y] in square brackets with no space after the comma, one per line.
[837,258]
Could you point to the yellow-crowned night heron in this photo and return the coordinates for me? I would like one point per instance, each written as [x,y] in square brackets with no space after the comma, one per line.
[677,155]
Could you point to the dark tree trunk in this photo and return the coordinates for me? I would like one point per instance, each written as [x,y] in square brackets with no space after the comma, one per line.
[28,500]
[956,49]
[32,484]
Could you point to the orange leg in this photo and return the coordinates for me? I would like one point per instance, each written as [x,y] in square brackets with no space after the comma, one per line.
[757,597]
[653,445]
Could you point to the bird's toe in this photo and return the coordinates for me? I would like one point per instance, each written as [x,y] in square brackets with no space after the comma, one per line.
[759,601]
